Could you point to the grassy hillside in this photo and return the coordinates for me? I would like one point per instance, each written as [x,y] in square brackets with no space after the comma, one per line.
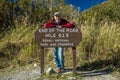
[100,46]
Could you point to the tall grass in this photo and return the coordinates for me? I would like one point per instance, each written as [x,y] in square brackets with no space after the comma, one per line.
[101,43]
[18,45]
[107,43]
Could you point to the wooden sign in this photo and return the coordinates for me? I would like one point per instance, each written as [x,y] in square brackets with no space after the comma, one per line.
[58,37]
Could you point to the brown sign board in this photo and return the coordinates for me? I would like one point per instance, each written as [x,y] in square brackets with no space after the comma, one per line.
[58,37]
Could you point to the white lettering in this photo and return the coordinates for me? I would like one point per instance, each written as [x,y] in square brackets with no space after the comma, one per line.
[60,29]
[43,44]
[65,44]
[52,44]
[61,40]
[72,30]
[51,30]
[63,35]
[47,40]
[50,35]
[43,30]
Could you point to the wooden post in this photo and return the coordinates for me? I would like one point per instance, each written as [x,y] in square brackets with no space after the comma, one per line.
[42,59]
[74,59]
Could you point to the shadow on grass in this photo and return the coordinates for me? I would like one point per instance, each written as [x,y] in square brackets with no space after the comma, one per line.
[86,73]
[99,65]
[94,69]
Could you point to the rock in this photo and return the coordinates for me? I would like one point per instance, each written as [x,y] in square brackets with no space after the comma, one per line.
[35,65]
[50,70]
[71,78]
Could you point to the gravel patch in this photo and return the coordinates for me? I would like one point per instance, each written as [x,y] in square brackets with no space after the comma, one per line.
[21,74]
[33,73]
